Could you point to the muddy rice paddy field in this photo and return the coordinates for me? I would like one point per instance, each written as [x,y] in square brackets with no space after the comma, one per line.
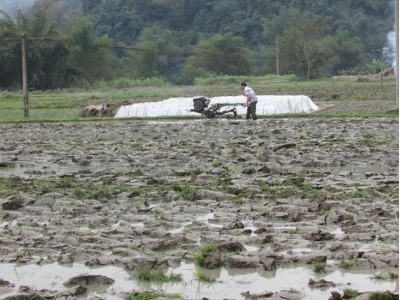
[285,208]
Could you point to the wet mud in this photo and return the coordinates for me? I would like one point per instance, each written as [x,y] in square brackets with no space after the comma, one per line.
[288,208]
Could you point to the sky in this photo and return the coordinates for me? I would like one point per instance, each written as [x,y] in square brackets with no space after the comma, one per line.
[11,6]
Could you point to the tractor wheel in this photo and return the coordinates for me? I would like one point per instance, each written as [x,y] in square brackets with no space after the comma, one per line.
[198,105]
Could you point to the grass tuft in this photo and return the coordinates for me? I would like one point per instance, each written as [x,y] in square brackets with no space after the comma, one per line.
[319,266]
[157,276]
[152,295]
[347,264]
[350,293]
[381,296]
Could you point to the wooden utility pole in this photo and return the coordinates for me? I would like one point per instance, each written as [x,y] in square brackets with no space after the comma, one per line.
[23,39]
[24,78]
[277,58]
[381,68]
[397,51]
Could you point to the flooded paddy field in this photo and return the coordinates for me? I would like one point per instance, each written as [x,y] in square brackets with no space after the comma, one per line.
[303,208]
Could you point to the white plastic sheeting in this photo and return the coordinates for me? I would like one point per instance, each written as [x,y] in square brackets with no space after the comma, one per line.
[267,105]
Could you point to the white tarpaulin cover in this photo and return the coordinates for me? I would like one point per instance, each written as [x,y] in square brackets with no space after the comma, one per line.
[267,105]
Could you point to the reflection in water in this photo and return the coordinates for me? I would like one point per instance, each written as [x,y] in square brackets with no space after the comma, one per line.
[230,283]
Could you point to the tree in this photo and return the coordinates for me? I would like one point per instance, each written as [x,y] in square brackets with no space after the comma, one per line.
[10,52]
[90,55]
[223,54]
[46,57]
[168,53]
[144,60]
[299,43]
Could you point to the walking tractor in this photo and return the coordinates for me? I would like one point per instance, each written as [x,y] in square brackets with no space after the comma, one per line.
[202,106]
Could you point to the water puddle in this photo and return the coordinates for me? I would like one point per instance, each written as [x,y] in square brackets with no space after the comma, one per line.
[204,218]
[49,169]
[285,227]
[88,229]
[229,283]
[297,251]
[248,225]
[180,229]
[7,224]
[140,225]
[358,169]
[53,276]
[337,232]
[251,248]
[116,225]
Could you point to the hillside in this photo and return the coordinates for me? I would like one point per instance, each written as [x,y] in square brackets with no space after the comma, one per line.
[180,40]
[257,21]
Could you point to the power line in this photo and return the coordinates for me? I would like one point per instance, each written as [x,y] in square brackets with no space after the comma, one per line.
[180,54]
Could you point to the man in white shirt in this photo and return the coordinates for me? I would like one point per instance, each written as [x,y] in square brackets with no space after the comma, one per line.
[251,101]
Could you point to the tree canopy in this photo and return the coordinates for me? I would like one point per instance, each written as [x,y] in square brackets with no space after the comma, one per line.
[86,40]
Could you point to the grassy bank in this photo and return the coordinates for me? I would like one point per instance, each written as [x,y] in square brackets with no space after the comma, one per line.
[66,105]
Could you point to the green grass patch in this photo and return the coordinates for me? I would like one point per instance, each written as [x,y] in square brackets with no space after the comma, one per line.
[134,247]
[229,79]
[66,105]
[184,189]
[296,180]
[152,295]
[381,296]
[351,195]
[199,256]
[78,187]
[216,163]
[319,266]
[385,276]
[393,112]
[207,248]
[156,276]
[350,293]
[266,189]
[347,264]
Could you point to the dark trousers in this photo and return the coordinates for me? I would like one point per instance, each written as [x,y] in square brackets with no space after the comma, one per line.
[251,110]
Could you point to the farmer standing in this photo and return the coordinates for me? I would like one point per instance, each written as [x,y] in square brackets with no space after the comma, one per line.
[251,101]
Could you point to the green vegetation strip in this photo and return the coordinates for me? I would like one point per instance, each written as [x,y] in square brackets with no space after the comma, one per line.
[66,105]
